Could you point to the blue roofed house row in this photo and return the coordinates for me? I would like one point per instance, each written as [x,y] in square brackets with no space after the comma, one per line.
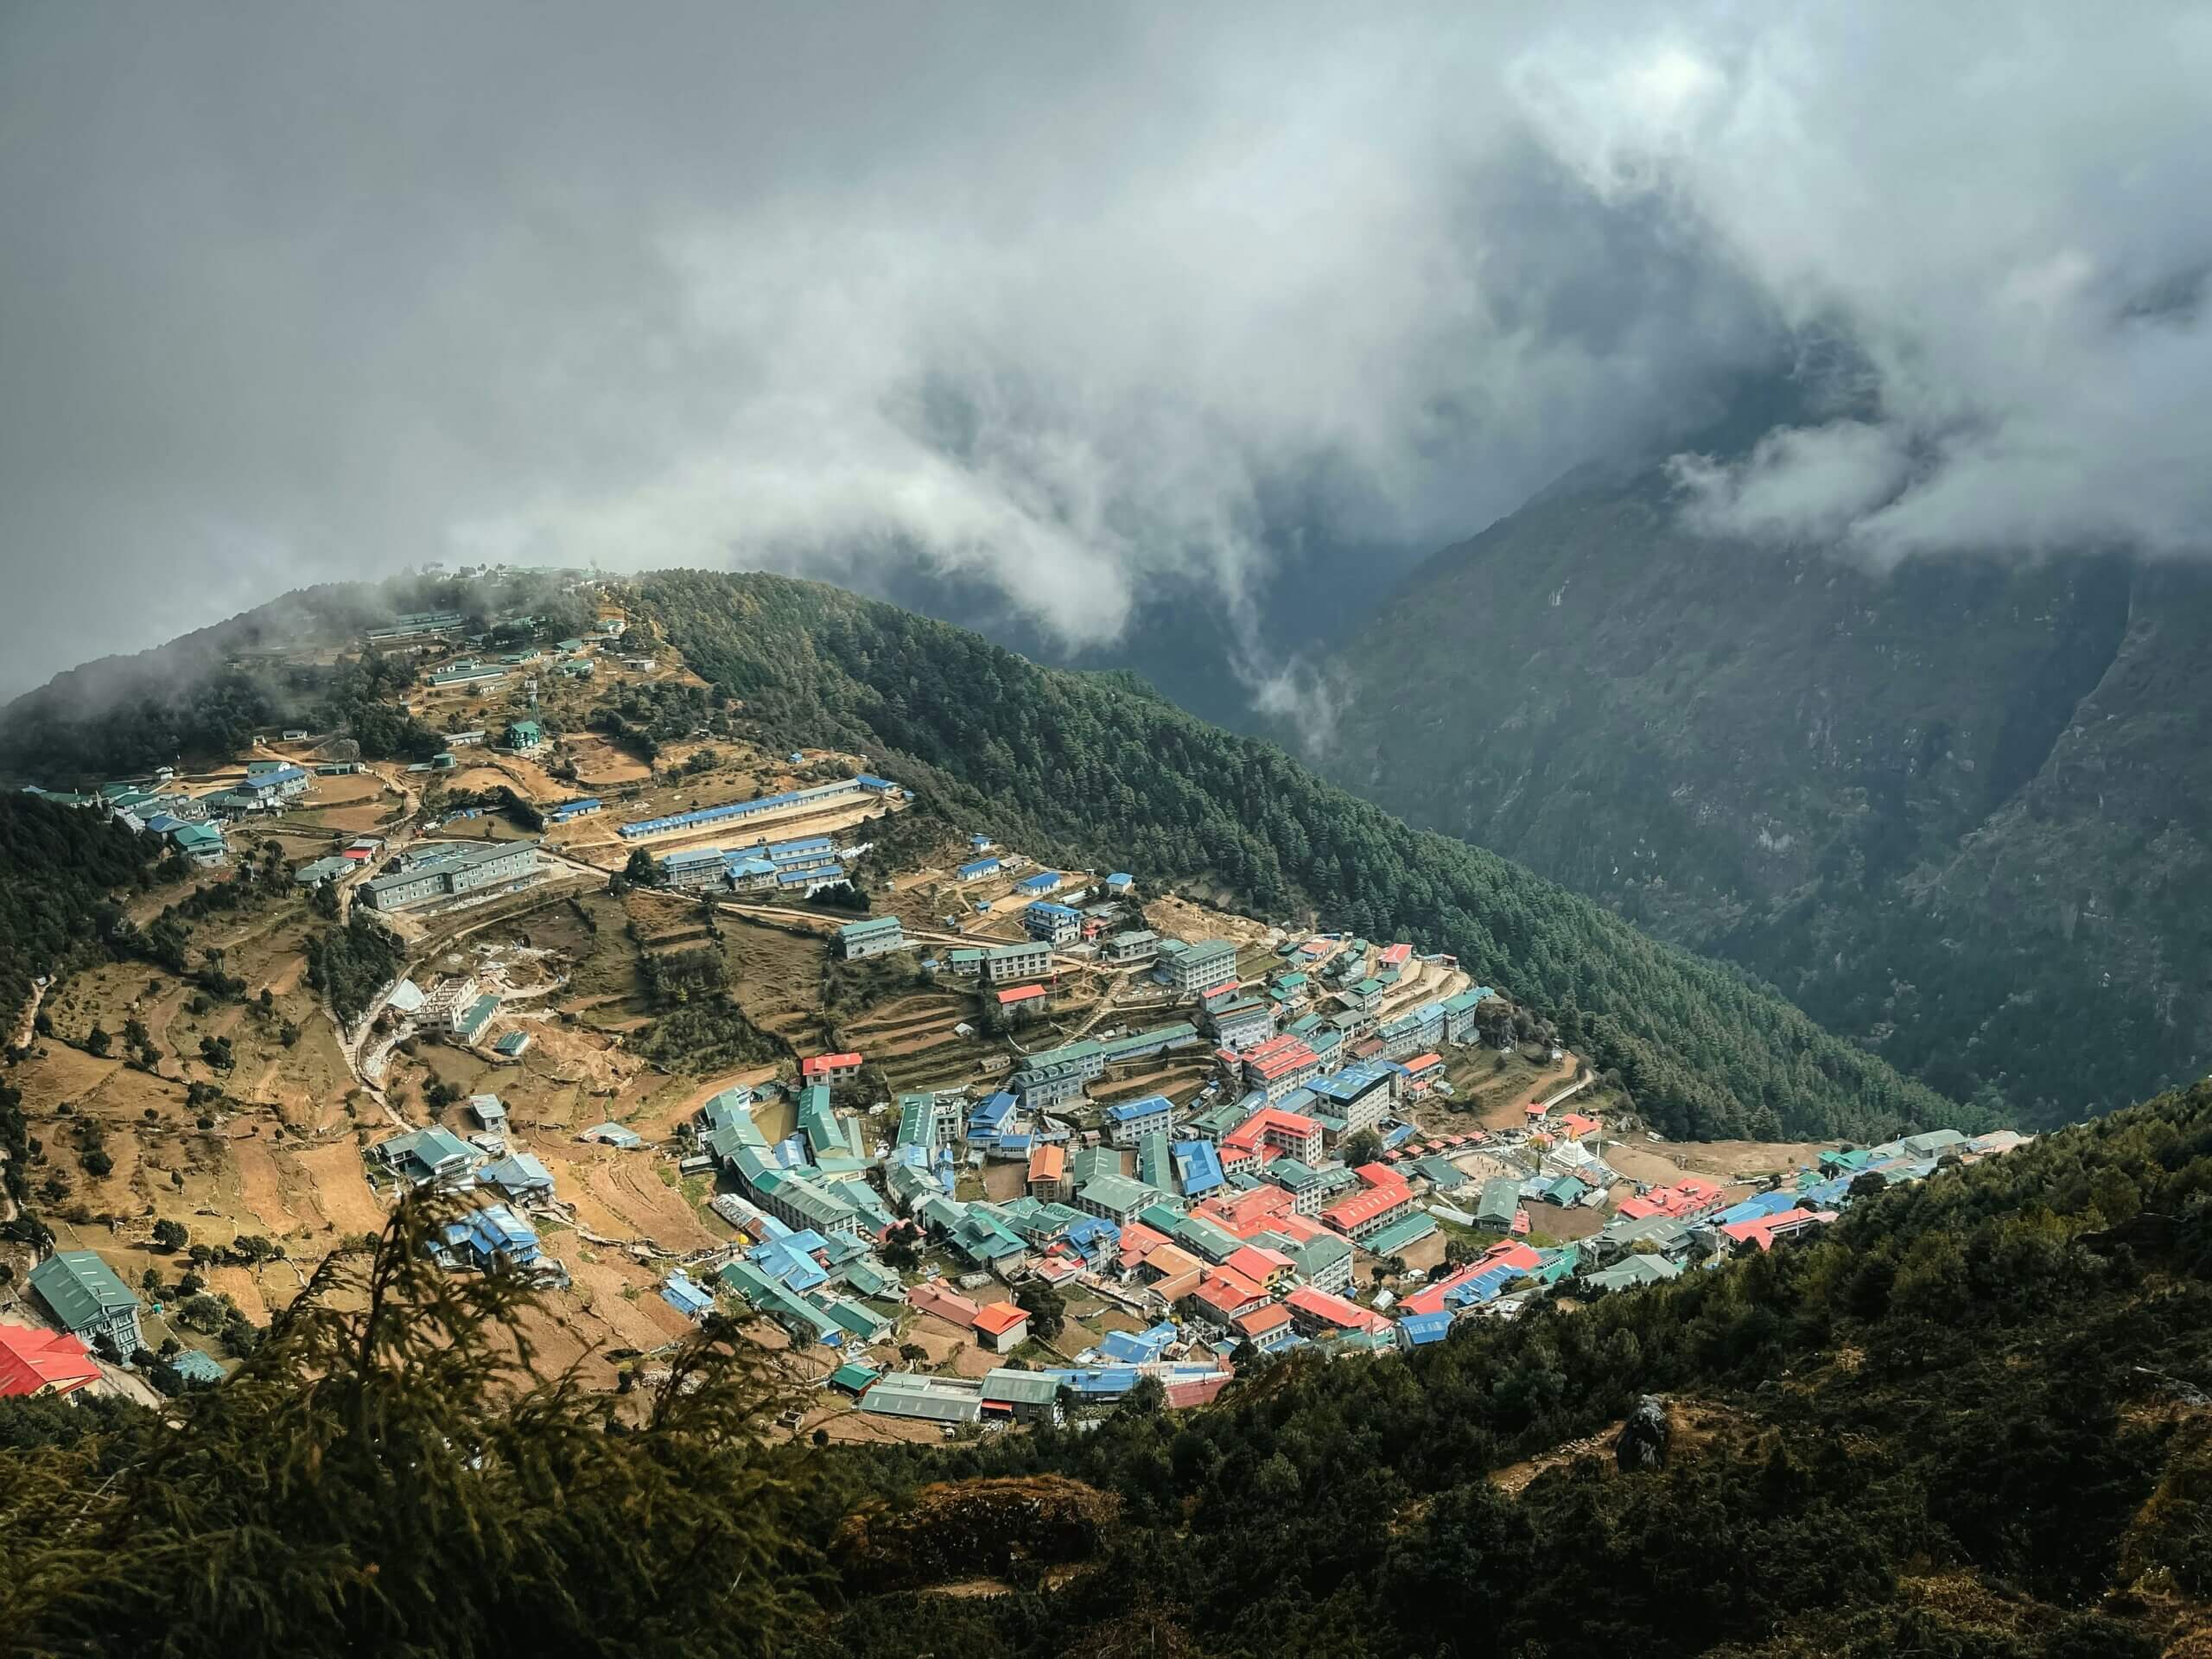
[739,811]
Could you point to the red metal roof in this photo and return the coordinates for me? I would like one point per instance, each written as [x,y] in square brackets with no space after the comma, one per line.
[1279,1055]
[820,1063]
[1228,1292]
[945,1304]
[1020,994]
[1334,1310]
[1363,1207]
[33,1362]
[1259,1264]
[1268,1121]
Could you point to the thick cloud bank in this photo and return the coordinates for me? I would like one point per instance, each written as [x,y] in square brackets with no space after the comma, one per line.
[1071,302]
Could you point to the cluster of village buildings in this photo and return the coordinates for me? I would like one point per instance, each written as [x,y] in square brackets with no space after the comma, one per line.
[1262,1214]
[1267,1212]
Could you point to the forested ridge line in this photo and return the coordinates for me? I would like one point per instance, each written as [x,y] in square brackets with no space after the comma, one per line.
[1097,768]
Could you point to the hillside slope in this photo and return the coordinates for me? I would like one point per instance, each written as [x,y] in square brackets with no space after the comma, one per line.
[1958,813]
[1099,767]
[1966,1421]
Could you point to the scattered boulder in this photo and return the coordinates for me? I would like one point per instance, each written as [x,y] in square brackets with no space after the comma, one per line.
[1643,1437]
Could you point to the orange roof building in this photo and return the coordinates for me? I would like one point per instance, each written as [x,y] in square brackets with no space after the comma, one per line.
[1225,1295]
[1002,1326]
[1173,1272]
[1686,1199]
[1267,1326]
[1269,1131]
[1048,1172]
[1383,1199]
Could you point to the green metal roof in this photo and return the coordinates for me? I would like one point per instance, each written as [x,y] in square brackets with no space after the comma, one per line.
[1021,1388]
[80,1288]
[854,1376]
[1398,1235]
[1118,1193]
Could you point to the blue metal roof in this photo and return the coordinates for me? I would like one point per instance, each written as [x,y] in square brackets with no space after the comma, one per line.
[1422,1329]
[1130,1110]
[737,809]
[1198,1166]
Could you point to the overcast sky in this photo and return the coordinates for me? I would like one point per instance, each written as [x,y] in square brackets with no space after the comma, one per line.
[1059,300]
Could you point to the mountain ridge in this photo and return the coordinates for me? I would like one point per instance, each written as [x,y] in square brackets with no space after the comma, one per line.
[1078,763]
[1856,787]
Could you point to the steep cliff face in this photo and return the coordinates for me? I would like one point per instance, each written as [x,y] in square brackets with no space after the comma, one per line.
[1956,810]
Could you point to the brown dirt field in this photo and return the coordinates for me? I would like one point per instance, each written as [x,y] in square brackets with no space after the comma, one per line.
[477,776]
[354,789]
[600,764]
[244,1286]
[844,1424]
[1728,1161]
[642,1321]
[937,1338]
[333,1175]
[362,820]
[260,1188]
[1555,1222]
[1172,917]
[974,1361]
[1424,1253]
[1005,1180]
[621,1196]
[59,1073]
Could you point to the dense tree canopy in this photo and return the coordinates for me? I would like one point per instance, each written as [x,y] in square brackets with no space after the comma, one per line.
[388,1473]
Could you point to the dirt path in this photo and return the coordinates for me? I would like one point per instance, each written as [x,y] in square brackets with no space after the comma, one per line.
[27,1027]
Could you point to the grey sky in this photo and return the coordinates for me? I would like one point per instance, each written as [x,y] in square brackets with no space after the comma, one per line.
[1058,296]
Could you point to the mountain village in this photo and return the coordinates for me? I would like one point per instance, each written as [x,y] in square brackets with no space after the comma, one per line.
[1013,1141]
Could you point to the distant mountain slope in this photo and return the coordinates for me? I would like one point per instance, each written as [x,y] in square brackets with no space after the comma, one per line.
[1958,813]
[1098,767]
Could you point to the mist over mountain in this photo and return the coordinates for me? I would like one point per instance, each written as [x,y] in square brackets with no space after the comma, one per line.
[1956,809]
[1101,317]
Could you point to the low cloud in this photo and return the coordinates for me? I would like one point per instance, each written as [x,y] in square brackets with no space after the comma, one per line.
[1079,308]
[1799,484]
[1984,203]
